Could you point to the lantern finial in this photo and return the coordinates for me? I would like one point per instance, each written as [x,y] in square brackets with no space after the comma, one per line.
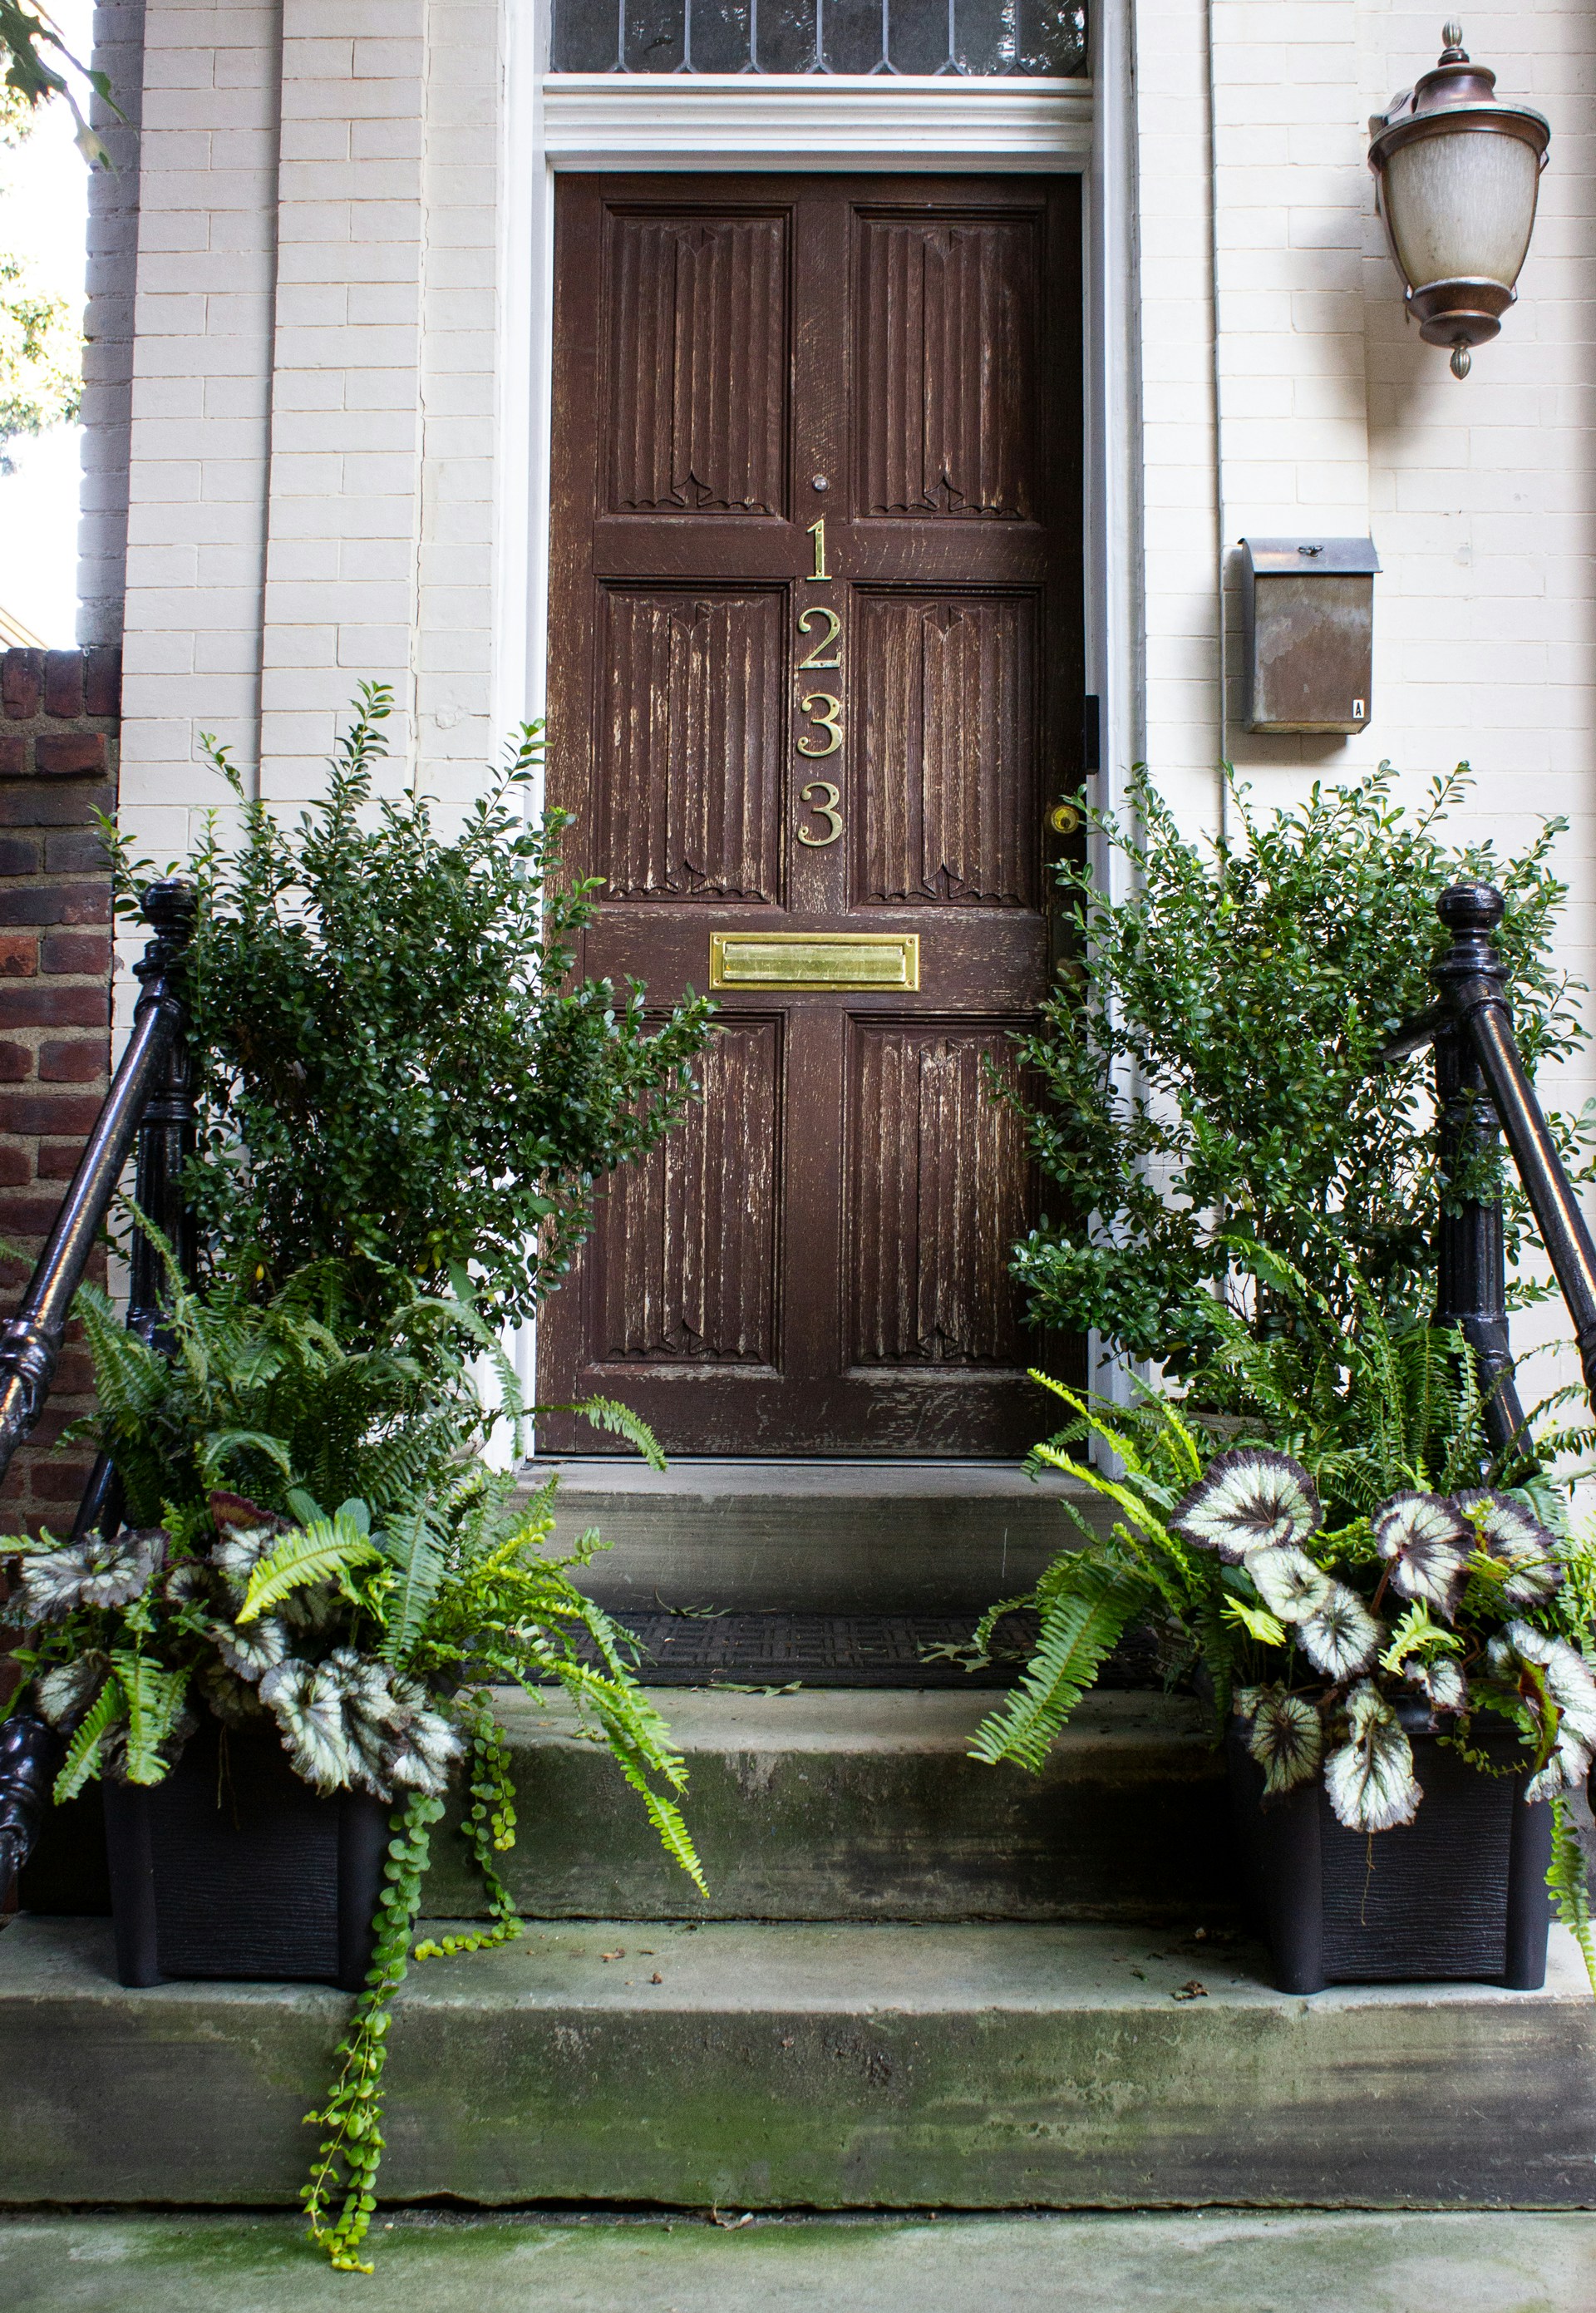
[1454,52]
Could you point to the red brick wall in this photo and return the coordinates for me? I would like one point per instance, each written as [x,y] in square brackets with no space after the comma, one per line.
[58,718]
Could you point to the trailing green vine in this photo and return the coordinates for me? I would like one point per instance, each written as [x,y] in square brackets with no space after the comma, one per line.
[489,1825]
[344,2176]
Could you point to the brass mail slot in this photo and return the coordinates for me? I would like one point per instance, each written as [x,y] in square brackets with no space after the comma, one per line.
[795,960]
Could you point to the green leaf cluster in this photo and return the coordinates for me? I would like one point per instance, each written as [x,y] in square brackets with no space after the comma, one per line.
[37,62]
[396,1067]
[1214,1071]
[1368,1411]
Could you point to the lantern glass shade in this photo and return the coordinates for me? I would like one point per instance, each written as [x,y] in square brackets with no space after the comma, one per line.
[1460,204]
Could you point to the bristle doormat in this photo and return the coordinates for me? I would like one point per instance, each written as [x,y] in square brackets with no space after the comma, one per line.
[757,1651]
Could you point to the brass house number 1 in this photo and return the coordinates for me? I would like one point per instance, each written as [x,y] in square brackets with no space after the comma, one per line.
[822,708]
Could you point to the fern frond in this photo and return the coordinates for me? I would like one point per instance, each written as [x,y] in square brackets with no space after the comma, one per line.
[83,1753]
[153,1698]
[414,1551]
[1255,1621]
[1570,1888]
[619,1420]
[1081,1626]
[217,1447]
[321,1552]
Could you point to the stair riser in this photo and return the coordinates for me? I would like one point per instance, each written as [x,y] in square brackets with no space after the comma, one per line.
[1112,1832]
[821,1807]
[928,2074]
[826,1538]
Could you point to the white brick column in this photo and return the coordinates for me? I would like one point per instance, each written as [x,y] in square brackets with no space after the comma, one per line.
[198,431]
[344,514]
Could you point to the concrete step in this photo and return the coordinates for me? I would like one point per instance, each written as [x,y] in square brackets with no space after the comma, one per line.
[816,1538]
[839,1805]
[826,1805]
[1228,2262]
[803,2066]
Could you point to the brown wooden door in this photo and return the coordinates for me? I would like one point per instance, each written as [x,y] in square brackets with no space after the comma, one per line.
[815,1262]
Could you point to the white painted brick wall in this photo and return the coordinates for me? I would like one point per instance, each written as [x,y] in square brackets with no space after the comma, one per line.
[201,378]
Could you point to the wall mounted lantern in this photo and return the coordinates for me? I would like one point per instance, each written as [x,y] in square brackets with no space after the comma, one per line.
[1456,174]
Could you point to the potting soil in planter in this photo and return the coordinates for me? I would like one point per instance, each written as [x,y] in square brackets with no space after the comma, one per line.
[234,1867]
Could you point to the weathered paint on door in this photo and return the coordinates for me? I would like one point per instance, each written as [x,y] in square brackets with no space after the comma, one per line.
[816,670]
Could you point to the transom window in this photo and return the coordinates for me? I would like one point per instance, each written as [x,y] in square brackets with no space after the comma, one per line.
[982,40]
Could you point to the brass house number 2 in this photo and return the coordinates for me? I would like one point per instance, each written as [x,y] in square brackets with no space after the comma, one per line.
[822,708]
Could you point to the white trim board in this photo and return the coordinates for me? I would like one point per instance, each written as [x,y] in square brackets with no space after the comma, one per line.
[614,121]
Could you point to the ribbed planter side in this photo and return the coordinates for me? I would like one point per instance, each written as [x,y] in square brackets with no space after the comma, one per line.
[1457,1896]
[234,1869]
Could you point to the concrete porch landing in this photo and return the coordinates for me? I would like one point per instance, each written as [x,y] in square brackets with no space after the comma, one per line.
[1219,2262]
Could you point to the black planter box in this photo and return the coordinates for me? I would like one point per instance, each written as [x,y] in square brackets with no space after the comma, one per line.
[234,1867]
[1459,1896]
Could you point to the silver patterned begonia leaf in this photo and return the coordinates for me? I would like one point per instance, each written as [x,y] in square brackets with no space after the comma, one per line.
[1341,1636]
[1286,1739]
[1428,1545]
[240,1551]
[1442,1683]
[1370,1777]
[249,1649]
[92,1572]
[1248,1499]
[64,1693]
[1508,1532]
[1570,1687]
[1288,1581]
[350,1720]
[306,1699]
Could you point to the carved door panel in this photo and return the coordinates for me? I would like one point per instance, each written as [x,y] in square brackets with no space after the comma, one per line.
[815,658]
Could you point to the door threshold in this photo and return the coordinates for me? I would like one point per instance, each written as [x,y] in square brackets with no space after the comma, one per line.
[737,1474]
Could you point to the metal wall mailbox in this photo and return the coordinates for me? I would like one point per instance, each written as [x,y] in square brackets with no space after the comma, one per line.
[1308,623]
[814,960]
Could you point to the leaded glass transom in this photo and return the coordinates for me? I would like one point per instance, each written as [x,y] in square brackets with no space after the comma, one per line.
[983,39]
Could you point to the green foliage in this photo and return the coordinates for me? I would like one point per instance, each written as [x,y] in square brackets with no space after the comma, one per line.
[267,1397]
[37,62]
[1215,1073]
[1570,1889]
[82,1751]
[1087,1606]
[41,358]
[368,1634]
[323,1549]
[1267,1547]
[396,1069]
[340,2196]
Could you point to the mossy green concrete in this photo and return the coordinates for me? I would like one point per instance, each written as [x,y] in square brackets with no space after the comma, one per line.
[859,1804]
[1225,2262]
[998,2066]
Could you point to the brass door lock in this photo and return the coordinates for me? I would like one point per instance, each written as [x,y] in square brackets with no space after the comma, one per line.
[1063,819]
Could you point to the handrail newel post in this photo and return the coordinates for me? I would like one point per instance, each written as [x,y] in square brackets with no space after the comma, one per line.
[149,1098]
[1471,1266]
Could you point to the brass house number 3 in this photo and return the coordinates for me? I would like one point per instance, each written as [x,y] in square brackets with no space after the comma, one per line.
[822,708]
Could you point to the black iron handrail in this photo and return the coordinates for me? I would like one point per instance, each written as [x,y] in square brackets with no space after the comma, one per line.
[1477,1061]
[150,1101]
